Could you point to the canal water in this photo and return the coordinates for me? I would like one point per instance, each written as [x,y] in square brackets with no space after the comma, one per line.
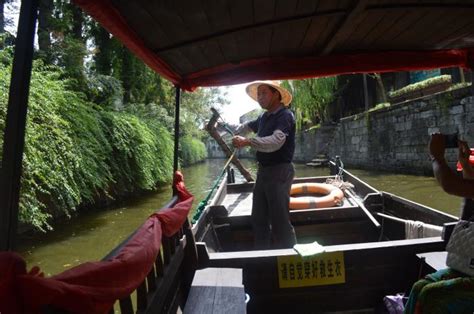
[92,234]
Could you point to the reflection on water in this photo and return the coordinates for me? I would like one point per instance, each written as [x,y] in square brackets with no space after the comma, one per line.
[420,189]
[92,235]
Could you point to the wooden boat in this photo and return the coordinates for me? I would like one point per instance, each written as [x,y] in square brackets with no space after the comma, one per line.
[229,42]
[366,234]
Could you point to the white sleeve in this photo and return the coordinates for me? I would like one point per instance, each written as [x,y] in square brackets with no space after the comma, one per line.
[269,144]
[242,129]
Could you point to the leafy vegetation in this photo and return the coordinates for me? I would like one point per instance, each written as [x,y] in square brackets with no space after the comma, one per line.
[380,106]
[100,122]
[192,150]
[420,85]
[76,152]
[311,98]
[458,86]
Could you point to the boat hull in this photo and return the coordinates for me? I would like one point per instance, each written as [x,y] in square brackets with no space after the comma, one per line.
[372,251]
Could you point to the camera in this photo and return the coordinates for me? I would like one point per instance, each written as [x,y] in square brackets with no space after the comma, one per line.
[451,140]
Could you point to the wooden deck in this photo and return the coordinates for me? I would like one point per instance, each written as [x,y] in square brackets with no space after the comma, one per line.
[216,290]
[237,198]
[238,204]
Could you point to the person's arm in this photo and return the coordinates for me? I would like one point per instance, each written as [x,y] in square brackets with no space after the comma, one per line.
[271,143]
[266,144]
[448,180]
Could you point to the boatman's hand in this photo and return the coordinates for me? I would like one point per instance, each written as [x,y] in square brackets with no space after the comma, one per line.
[240,141]
[437,147]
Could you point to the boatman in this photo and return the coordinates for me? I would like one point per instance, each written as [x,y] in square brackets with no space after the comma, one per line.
[275,146]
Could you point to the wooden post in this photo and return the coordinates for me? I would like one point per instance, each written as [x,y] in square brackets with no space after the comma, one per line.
[366,92]
[14,134]
[176,128]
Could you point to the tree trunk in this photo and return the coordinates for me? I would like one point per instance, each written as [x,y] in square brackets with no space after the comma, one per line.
[77,22]
[461,75]
[126,75]
[103,56]
[44,29]
[366,92]
[2,16]
[77,57]
[378,78]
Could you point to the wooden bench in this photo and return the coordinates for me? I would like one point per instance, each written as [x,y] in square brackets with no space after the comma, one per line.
[216,290]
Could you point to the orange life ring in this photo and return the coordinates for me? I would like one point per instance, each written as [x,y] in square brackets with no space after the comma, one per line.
[332,195]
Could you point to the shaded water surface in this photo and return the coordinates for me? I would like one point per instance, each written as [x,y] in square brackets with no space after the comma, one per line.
[91,235]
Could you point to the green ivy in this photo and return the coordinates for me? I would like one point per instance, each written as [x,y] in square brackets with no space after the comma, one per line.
[192,150]
[420,85]
[142,155]
[77,152]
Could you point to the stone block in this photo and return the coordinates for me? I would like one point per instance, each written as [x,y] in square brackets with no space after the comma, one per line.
[456,110]
[408,125]
[426,114]
[355,140]
[400,156]
[433,130]
[399,127]
[467,101]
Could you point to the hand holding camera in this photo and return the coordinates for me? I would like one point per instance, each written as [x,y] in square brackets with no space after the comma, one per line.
[451,140]
[439,142]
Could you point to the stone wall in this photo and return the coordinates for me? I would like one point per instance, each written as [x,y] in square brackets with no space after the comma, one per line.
[213,149]
[395,139]
[315,142]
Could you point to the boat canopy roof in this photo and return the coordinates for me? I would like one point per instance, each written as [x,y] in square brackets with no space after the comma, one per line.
[225,42]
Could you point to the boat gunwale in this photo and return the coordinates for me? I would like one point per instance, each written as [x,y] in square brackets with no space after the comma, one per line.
[237,257]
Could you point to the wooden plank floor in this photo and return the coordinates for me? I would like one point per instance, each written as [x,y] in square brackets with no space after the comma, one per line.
[216,291]
[240,204]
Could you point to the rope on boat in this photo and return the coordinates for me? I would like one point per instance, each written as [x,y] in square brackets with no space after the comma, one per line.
[338,180]
[205,201]
[226,127]
[223,123]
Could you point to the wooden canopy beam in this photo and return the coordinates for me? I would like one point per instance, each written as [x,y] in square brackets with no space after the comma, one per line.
[250,26]
[405,6]
[345,26]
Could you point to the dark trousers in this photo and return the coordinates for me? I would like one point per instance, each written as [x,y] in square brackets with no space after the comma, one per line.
[270,209]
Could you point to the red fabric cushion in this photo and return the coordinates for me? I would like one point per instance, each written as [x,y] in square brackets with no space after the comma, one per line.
[93,287]
[173,218]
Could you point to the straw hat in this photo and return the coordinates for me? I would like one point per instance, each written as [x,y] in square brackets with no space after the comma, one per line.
[252,88]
